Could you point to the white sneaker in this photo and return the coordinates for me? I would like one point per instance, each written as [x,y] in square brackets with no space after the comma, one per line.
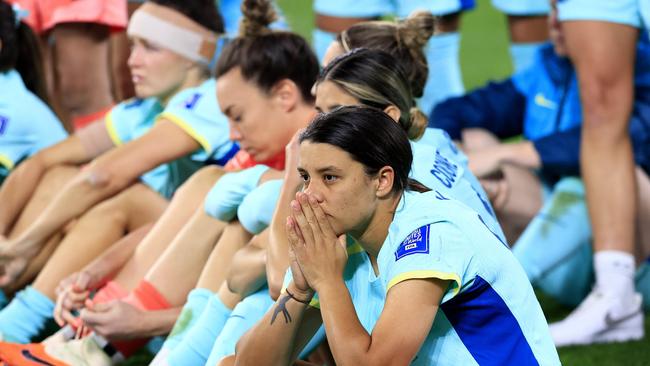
[601,318]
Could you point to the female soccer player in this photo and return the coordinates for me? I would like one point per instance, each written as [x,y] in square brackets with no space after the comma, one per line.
[27,124]
[177,108]
[439,283]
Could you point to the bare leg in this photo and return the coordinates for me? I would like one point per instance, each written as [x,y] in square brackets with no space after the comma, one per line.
[179,269]
[605,71]
[51,183]
[186,201]
[522,188]
[121,75]
[102,226]
[82,46]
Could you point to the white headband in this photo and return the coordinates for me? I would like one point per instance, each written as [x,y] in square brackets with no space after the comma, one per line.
[170,29]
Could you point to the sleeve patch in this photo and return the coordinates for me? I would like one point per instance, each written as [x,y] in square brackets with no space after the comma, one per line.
[415,242]
[190,103]
[3,124]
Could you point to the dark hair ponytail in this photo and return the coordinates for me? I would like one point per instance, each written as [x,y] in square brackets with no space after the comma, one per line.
[20,51]
[265,56]
[371,137]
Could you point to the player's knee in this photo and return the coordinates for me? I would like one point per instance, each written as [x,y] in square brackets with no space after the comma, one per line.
[200,181]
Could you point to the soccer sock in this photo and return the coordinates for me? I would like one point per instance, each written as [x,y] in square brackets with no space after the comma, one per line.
[614,270]
[243,317]
[197,344]
[557,232]
[321,41]
[523,54]
[111,291]
[445,79]
[83,121]
[197,300]
[145,297]
[25,316]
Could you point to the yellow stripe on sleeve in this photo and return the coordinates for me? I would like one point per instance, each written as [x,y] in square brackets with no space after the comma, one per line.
[8,163]
[112,131]
[424,275]
[188,129]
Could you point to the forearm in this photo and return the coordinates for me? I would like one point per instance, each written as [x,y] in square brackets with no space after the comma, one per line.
[17,190]
[522,154]
[277,260]
[272,340]
[77,197]
[348,340]
[248,270]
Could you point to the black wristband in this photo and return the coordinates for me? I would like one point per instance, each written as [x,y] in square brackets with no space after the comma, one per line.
[306,302]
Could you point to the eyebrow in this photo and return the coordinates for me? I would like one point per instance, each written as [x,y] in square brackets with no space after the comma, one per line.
[329,168]
[227,110]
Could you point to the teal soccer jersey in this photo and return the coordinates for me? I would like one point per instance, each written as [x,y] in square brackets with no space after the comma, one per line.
[27,124]
[196,111]
[488,315]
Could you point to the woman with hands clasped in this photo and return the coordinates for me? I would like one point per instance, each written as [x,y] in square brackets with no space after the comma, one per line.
[440,282]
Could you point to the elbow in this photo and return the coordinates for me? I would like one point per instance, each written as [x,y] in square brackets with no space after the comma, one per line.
[104,179]
[275,282]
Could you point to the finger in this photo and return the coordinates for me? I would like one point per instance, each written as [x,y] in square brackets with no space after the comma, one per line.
[82,281]
[301,221]
[308,211]
[58,310]
[296,244]
[321,218]
[68,318]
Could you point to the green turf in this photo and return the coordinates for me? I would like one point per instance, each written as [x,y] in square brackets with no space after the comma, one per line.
[484,56]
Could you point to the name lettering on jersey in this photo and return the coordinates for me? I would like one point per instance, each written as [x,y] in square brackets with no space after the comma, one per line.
[190,103]
[444,170]
[415,242]
[3,124]
[441,197]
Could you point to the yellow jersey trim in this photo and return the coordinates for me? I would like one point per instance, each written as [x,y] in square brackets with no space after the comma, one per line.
[8,163]
[112,131]
[188,129]
[426,274]
[355,248]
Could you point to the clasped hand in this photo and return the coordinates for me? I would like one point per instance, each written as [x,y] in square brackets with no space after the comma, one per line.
[319,256]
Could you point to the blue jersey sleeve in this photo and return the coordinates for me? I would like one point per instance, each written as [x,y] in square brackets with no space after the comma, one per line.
[498,107]
[129,119]
[197,112]
[437,250]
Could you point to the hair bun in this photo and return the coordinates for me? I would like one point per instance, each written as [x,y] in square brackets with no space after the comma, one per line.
[416,29]
[419,122]
[257,15]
